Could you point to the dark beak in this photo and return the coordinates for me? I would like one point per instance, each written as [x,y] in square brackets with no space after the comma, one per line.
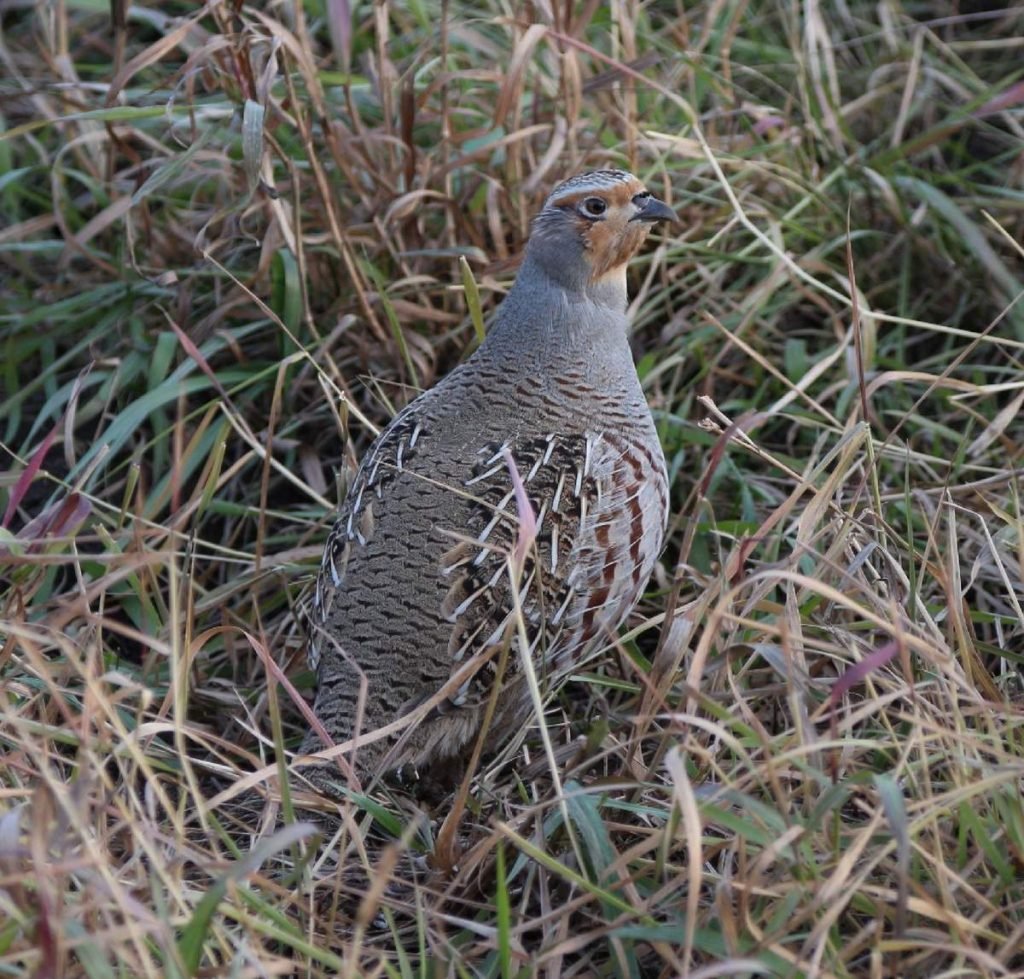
[654,210]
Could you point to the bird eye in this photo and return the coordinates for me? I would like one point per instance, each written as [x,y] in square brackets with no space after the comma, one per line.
[593,207]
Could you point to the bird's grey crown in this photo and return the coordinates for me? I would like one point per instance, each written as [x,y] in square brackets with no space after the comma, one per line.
[594,180]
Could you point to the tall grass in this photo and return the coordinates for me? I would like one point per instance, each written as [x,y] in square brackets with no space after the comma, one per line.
[234,240]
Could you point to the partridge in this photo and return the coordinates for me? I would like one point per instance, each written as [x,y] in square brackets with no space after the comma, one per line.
[417,594]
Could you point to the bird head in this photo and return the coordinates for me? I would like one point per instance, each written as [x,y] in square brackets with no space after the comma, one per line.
[591,225]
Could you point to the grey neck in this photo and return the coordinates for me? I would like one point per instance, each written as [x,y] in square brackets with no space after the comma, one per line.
[568,315]
[559,258]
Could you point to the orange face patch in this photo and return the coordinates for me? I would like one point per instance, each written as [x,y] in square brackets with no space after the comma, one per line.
[610,244]
[612,240]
